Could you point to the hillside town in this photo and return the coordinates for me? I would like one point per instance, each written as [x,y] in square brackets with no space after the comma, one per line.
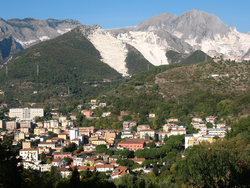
[57,142]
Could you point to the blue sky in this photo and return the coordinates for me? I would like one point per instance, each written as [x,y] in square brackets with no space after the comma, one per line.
[117,13]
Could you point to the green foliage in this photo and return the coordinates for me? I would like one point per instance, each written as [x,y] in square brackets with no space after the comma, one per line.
[43,157]
[151,145]
[10,173]
[135,62]
[69,60]
[222,164]
[52,135]
[124,162]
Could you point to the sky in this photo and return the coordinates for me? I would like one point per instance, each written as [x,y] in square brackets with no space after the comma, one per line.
[117,13]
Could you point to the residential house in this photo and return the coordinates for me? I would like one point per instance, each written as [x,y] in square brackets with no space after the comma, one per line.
[59,163]
[119,171]
[78,161]
[210,119]
[175,120]
[64,172]
[61,155]
[195,139]
[29,154]
[151,115]
[106,114]
[89,147]
[147,133]
[142,127]
[104,167]
[127,125]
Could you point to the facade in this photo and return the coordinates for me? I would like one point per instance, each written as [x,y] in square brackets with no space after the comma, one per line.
[132,144]
[142,127]
[74,133]
[147,132]
[196,139]
[61,155]
[2,124]
[104,167]
[79,161]
[127,125]
[10,125]
[26,113]
[99,142]
[29,154]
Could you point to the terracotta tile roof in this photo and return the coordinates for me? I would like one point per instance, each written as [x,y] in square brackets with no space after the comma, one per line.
[121,173]
[122,168]
[147,130]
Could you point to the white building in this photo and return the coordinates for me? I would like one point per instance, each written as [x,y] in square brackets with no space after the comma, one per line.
[29,154]
[74,133]
[26,113]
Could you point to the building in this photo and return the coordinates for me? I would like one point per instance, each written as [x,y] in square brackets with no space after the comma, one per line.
[29,154]
[147,133]
[64,172]
[127,125]
[132,144]
[10,125]
[142,127]
[26,113]
[61,155]
[151,115]
[59,163]
[2,124]
[74,133]
[104,167]
[196,139]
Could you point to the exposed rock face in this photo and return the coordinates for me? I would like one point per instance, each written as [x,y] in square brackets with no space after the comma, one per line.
[30,31]
[193,30]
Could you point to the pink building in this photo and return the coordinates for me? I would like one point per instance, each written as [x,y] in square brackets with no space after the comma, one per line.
[132,144]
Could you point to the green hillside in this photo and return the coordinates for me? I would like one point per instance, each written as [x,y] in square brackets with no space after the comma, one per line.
[186,59]
[67,62]
[180,91]
[135,62]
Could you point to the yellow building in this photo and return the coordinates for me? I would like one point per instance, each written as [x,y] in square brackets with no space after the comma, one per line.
[26,145]
[92,139]
[63,136]
[110,137]
[196,139]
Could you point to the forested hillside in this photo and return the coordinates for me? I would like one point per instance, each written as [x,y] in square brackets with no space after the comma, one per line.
[68,62]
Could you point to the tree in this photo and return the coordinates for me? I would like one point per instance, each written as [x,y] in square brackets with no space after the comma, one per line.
[155,169]
[74,180]
[151,145]
[10,172]
[221,164]
[43,157]
[48,161]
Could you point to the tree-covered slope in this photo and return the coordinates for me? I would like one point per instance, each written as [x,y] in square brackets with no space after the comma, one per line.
[135,62]
[186,59]
[68,61]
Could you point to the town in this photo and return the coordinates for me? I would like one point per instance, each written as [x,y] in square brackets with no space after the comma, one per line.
[59,143]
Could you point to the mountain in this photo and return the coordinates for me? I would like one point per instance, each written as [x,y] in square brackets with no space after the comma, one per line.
[29,31]
[191,31]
